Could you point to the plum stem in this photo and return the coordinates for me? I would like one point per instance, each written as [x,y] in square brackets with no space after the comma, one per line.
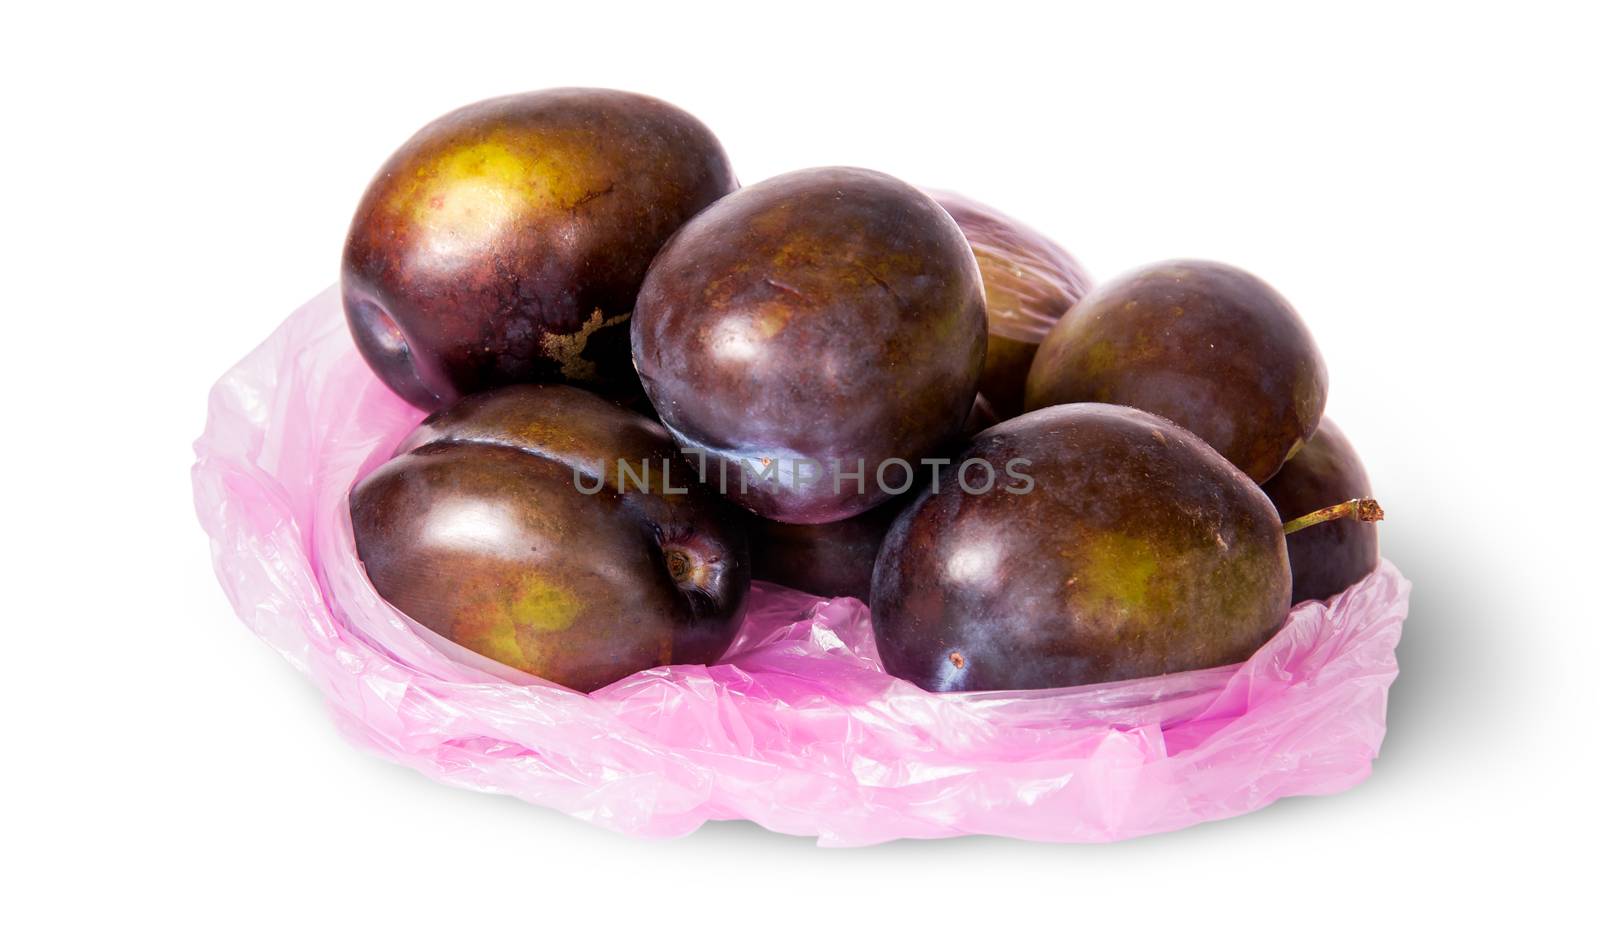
[679,566]
[1365,510]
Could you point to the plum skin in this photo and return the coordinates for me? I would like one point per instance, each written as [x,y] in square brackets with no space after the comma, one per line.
[833,559]
[1138,551]
[1206,345]
[505,242]
[1329,558]
[826,315]
[1029,282]
[836,558]
[477,529]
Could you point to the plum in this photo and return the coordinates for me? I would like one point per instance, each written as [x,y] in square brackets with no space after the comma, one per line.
[1209,346]
[508,525]
[836,559]
[505,242]
[1131,549]
[1329,559]
[833,559]
[808,328]
[1029,282]
[980,418]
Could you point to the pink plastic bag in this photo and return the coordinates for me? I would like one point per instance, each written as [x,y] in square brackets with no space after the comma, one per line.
[798,728]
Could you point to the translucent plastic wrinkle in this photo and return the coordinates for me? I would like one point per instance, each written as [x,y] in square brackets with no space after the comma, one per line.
[798,728]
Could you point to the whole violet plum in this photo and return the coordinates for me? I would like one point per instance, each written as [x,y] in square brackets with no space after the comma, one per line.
[1209,346]
[1123,547]
[809,327]
[505,242]
[507,525]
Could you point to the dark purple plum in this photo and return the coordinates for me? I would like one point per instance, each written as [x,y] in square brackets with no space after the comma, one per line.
[1132,549]
[505,242]
[824,320]
[479,528]
[1209,346]
[1332,557]
[833,559]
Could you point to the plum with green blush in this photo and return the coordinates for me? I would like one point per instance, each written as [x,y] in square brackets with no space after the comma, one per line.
[1137,550]
[1209,346]
[505,525]
[505,242]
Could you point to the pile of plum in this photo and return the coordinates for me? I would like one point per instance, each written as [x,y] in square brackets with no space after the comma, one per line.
[650,385]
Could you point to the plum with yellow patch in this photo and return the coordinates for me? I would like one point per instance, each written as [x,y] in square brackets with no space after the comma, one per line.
[505,242]
[831,316]
[1207,345]
[480,528]
[1137,550]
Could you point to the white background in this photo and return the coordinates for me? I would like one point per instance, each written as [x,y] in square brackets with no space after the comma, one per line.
[1421,183]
